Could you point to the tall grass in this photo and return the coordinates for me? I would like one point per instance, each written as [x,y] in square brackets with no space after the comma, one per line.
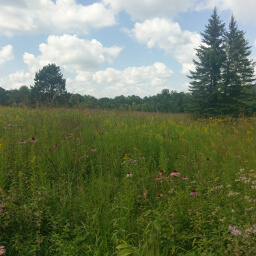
[102,183]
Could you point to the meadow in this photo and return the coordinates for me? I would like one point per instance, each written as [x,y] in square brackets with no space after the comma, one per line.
[90,182]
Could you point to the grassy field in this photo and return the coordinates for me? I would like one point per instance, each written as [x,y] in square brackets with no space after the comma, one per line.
[87,182]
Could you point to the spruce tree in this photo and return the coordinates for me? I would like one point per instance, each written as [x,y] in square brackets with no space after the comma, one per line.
[237,74]
[206,79]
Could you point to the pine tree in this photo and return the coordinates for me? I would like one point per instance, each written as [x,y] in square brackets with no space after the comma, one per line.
[238,73]
[205,87]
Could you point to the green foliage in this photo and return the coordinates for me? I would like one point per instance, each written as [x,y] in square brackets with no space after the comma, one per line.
[49,85]
[222,82]
[101,183]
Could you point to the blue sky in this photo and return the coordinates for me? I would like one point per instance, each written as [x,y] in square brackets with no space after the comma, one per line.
[108,48]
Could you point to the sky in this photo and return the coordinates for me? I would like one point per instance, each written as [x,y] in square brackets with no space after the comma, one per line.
[108,48]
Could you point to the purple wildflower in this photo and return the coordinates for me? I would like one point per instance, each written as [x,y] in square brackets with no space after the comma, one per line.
[194,193]
[33,139]
[128,175]
[2,250]
[22,142]
[94,150]
[235,231]
[158,178]
[79,139]
[69,137]
[175,173]
[162,172]
[185,178]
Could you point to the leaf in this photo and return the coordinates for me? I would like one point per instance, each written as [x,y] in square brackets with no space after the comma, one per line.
[125,252]
[121,246]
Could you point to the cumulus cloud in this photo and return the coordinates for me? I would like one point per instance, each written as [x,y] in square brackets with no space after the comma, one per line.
[243,11]
[61,16]
[6,54]
[72,53]
[146,9]
[167,35]
[16,80]
[141,81]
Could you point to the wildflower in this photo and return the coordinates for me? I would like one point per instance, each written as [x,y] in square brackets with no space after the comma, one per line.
[56,145]
[219,187]
[159,195]
[50,149]
[185,178]
[128,175]
[158,178]
[228,186]
[22,142]
[208,159]
[79,139]
[253,187]
[194,193]
[175,173]
[69,137]
[231,193]
[2,250]
[162,172]
[94,150]
[33,139]
[235,231]
[126,157]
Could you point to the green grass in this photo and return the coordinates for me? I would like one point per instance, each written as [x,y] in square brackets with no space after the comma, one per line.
[75,198]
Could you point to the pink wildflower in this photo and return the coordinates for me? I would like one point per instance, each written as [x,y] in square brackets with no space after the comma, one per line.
[50,149]
[128,175]
[33,139]
[162,172]
[235,231]
[56,145]
[94,150]
[22,142]
[185,178]
[79,139]
[2,250]
[208,159]
[69,137]
[159,195]
[158,178]
[175,173]
[194,193]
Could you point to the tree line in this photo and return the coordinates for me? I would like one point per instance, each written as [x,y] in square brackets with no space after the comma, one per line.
[223,82]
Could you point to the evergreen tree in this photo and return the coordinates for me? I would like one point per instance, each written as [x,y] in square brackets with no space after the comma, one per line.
[206,79]
[238,73]
[49,85]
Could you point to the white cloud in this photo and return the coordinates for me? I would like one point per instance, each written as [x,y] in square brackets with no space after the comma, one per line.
[141,81]
[146,9]
[45,16]
[6,54]
[16,80]
[243,11]
[167,35]
[72,53]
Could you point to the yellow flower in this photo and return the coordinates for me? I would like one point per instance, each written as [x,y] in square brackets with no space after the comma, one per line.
[126,157]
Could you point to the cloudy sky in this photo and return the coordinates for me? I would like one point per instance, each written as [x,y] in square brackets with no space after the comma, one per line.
[108,48]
